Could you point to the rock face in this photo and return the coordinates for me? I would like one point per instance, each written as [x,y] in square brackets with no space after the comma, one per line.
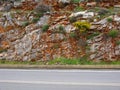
[104,49]
[44,30]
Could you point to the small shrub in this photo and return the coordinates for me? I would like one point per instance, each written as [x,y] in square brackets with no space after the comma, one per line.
[35,20]
[118,42]
[78,9]
[45,28]
[82,26]
[72,35]
[75,1]
[25,24]
[72,19]
[93,35]
[3,50]
[113,33]
[109,20]
[61,29]
[39,14]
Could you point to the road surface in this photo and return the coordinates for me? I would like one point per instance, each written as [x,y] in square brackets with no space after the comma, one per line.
[23,79]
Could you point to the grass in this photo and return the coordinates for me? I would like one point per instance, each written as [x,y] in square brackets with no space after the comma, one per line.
[61,61]
[25,24]
[113,33]
[73,35]
[77,9]
[75,1]
[110,20]
[93,35]
[35,20]
[45,28]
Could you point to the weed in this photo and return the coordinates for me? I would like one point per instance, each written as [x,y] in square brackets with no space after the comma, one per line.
[35,20]
[25,24]
[72,35]
[109,20]
[77,9]
[45,28]
[113,33]
[72,19]
[75,1]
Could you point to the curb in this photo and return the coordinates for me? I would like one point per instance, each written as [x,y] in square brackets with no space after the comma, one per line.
[8,66]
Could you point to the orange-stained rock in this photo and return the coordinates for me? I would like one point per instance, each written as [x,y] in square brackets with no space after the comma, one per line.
[4,44]
[2,29]
[8,28]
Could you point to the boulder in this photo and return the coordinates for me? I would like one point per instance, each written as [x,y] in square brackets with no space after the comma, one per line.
[82,14]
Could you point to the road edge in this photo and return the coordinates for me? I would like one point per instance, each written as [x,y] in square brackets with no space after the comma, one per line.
[8,66]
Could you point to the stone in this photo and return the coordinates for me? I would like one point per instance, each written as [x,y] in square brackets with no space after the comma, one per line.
[117,18]
[103,11]
[17,4]
[83,14]
[8,19]
[69,28]
[117,6]
[91,4]
[88,15]
[77,14]
[25,58]
[25,44]
[43,20]
[57,37]
[64,1]
[103,49]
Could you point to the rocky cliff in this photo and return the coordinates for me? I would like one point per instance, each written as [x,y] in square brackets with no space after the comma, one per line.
[45,30]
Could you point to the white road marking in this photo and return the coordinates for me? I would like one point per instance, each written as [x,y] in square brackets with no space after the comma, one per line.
[59,83]
[61,71]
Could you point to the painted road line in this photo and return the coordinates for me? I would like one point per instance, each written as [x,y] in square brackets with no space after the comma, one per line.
[59,83]
[71,71]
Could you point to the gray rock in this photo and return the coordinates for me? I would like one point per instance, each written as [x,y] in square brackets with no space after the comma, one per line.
[103,11]
[83,14]
[57,37]
[25,44]
[69,28]
[43,20]
[25,58]
[17,4]
[8,20]
[64,1]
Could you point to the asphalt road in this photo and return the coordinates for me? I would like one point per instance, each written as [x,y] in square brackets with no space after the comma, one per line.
[23,79]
